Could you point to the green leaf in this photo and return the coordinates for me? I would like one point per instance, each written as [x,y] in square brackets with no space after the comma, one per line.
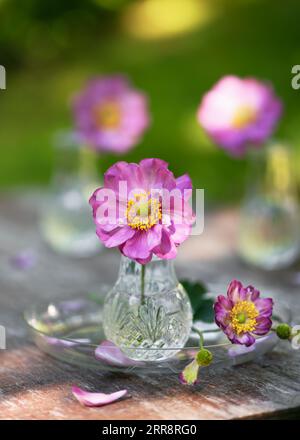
[202,305]
[96,297]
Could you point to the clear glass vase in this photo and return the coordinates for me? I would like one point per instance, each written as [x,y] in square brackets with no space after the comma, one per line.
[147,313]
[66,219]
[269,225]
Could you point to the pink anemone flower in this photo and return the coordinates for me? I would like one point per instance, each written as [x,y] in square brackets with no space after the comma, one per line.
[143,210]
[243,314]
[110,115]
[239,113]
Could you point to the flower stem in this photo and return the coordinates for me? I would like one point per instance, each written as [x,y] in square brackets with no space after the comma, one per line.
[214,330]
[87,163]
[200,336]
[143,270]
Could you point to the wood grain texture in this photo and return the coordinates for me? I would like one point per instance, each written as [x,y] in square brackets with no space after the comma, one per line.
[34,386]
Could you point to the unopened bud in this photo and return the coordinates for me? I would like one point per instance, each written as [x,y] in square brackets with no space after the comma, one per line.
[204,357]
[283,331]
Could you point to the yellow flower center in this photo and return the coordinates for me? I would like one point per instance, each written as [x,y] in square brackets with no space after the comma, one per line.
[242,317]
[143,212]
[244,116]
[107,115]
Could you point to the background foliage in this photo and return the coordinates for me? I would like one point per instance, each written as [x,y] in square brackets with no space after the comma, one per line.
[50,48]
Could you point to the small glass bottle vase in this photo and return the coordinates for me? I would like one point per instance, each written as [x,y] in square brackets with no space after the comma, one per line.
[66,220]
[268,233]
[147,313]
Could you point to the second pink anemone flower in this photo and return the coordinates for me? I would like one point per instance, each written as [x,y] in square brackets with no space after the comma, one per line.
[238,113]
[243,314]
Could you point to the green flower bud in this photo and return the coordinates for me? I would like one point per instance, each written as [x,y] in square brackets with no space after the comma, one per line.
[283,331]
[204,357]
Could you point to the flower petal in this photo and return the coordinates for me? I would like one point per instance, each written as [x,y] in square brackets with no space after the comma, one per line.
[189,375]
[64,343]
[154,236]
[264,307]
[144,260]
[24,260]
[250,293]
[182,232]
[244,339]
[234,290]
[221,318]
[166,249]
[224,302]
[184,183]
[222,308]
[263,325]
[87,398]
[109,353]
[119,236]
[137,246]
[152,166]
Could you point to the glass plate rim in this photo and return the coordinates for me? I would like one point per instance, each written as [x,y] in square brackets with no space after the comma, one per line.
[34,309]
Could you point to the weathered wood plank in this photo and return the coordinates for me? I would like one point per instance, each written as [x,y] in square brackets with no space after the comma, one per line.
[33,386]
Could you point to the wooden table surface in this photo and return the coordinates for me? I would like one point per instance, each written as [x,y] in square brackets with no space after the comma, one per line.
[34,386]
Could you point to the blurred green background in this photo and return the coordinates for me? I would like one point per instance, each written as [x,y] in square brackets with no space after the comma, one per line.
[174,50]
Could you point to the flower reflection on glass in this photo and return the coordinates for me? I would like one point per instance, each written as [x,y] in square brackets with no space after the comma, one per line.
[238,113]
[110,115]
[243,313]
[144,226]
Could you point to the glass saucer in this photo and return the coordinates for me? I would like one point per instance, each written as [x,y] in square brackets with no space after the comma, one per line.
[72,331]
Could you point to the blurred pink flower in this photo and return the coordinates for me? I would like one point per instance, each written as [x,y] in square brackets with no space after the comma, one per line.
[146,224]
[239,113]
[110,115]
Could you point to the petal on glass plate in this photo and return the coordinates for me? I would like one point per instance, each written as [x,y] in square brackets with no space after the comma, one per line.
[64,343]
[240,353]
[109,353]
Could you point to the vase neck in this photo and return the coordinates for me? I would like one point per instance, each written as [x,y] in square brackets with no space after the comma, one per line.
[75,164]
[159,276]
[270,171]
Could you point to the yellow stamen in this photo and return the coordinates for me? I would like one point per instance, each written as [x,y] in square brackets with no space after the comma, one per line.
[107,115]
[244,116]
[143,212]
[242,317]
